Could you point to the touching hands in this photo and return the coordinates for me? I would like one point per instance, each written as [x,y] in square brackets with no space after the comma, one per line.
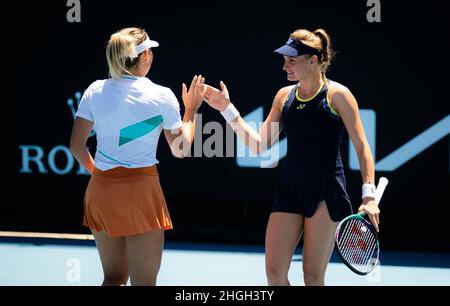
[217,99]
[193,97]
[199,92]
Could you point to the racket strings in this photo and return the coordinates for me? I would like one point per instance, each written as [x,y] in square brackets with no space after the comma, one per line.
[362,243]
[355,251]
[358,245]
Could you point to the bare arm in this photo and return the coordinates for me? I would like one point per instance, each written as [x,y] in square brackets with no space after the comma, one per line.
[80,134]
[270,130]
[180,140]
[343,101]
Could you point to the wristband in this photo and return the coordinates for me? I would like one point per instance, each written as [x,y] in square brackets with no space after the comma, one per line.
[368,191]
[230,113]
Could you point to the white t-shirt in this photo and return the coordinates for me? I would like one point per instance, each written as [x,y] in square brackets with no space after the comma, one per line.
[129,115]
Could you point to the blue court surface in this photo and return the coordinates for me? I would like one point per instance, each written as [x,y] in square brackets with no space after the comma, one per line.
[63,262]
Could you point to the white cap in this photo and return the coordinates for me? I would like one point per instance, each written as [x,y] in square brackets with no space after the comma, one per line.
[146,45]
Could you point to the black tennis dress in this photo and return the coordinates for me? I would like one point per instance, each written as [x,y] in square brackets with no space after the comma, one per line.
[312,170]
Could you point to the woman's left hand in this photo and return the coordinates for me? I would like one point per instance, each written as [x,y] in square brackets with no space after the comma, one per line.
[193,98]
[371,208]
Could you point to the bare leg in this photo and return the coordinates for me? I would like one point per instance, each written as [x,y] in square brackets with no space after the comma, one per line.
[114,259]
[318,245]
[144,254]
[282,236]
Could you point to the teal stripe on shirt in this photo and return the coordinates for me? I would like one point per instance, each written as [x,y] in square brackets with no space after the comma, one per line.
[114,160]
[139,129]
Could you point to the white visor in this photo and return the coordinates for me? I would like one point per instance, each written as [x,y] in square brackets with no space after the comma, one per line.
[146,45]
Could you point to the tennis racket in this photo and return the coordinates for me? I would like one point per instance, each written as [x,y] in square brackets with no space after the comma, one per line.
[356,239]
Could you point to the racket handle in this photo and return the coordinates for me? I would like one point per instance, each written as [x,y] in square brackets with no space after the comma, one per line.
[382,183]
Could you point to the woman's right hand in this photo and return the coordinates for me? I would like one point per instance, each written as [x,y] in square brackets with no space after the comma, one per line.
[217,99]
[193,97]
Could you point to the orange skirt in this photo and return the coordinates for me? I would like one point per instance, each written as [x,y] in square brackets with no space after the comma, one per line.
[125,202]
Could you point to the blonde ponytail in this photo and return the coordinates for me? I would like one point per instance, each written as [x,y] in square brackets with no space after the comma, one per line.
[120,52]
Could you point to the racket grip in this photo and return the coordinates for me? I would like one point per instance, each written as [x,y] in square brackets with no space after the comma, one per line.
[382,183]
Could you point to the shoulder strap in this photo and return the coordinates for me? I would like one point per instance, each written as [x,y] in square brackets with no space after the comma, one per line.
[289,99]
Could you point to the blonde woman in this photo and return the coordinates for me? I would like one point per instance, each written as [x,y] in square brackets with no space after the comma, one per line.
[311,197]
[124,205]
